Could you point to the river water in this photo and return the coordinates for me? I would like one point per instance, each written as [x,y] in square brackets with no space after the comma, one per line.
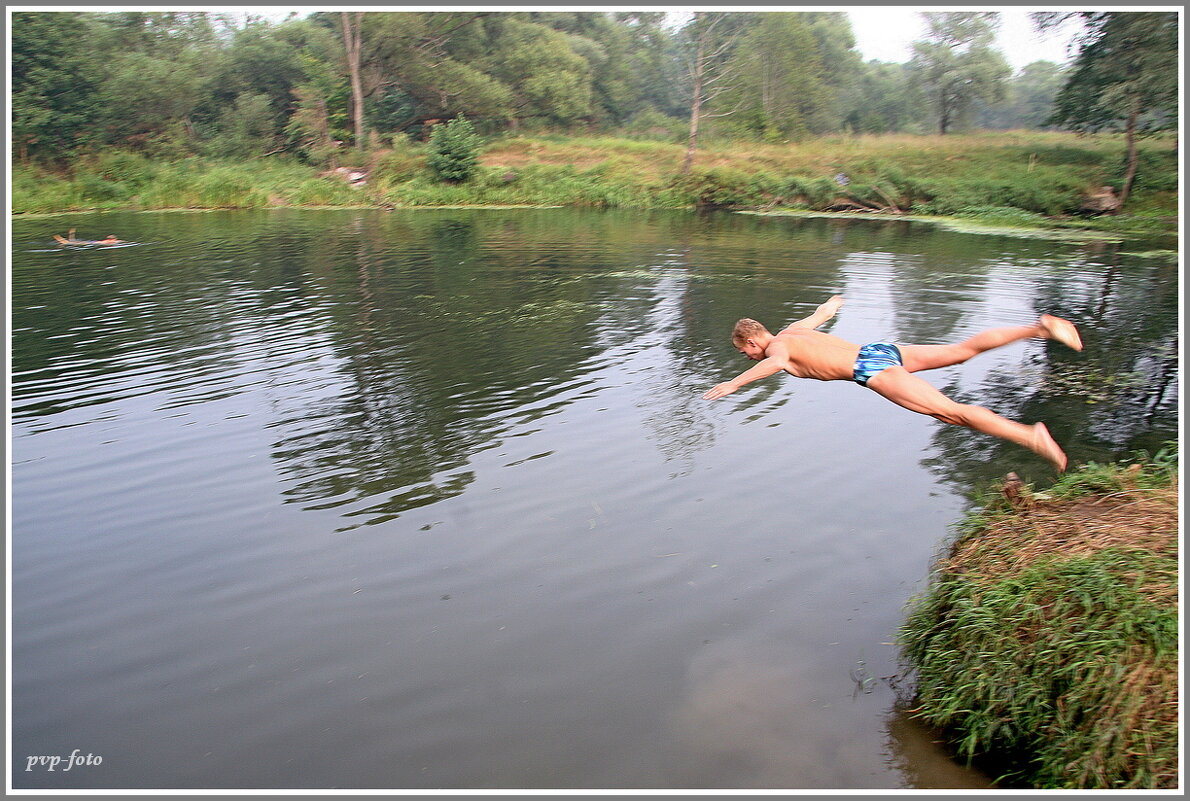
[430,499]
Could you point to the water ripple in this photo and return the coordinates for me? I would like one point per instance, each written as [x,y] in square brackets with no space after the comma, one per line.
[369,474]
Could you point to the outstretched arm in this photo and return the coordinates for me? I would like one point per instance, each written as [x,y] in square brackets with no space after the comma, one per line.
[766,368]
[823,313]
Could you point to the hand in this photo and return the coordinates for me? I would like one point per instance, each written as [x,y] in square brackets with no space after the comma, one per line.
[719,390]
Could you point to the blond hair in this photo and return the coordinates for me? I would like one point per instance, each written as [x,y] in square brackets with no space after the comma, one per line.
[746,329]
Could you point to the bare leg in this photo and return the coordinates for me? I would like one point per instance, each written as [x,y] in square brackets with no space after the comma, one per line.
[909,391]
[929,357]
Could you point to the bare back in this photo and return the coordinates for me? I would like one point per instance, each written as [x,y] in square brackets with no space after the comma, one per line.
[813,354]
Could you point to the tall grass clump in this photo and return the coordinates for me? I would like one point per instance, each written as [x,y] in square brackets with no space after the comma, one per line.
[37,191]
[193,184]
[531,185]
[1047,642]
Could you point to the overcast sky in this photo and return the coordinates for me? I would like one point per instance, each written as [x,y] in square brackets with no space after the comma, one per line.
[886,33]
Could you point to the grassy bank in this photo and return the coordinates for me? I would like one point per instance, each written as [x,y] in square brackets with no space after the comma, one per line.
[1020,179]
[1047,642]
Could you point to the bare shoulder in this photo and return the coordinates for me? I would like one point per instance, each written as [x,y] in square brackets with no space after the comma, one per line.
[798,335]
[808,337]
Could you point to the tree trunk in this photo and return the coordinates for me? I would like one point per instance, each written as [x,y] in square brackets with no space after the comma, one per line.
[1130,139]
[695,107]
[351,42]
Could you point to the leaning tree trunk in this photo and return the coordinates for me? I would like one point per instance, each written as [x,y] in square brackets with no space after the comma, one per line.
[1130,139]
[351,41]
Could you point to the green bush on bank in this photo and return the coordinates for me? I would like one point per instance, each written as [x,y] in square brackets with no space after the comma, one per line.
[1047,641]
[454,150]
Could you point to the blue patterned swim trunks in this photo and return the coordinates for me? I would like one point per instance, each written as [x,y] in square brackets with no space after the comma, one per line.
[874,358]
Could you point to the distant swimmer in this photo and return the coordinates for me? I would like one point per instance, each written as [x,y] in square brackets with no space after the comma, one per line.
[888,369]
[69,239]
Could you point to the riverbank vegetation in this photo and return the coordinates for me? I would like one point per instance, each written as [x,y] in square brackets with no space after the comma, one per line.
[1047,642]
[1024,179]
[150,110]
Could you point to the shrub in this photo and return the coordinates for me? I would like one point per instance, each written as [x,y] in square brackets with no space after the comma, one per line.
[131,169]
[93,187]
[719,187]
[454,150]
[322,192]
[811,192]
[655,126]
[397,166]
[227,187]
[244,129]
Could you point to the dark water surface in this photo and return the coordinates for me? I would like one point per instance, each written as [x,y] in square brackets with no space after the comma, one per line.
[368,499]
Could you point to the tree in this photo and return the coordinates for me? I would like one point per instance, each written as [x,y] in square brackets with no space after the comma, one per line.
[54,82]
[319,116]
[148,101]
[709,39]
[350,25]
[886,99]
[430,70]
[1034,92]
[626,52]
[454,150]
[956,64]
[548,78]
[263,60]
[793,71]
[1126,73]
[404,62]
[1029,101]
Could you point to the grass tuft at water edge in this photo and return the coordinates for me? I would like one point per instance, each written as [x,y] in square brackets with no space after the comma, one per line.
[1047,642]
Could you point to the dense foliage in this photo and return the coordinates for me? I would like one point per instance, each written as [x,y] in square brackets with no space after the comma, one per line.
[366,90]
[175,84]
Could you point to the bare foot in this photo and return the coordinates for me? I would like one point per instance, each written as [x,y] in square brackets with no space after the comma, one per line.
[832,305]
[1061,330]
[1043,444]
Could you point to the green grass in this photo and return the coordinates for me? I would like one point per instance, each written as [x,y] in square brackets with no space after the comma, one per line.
[1023,180]
[1047,641]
